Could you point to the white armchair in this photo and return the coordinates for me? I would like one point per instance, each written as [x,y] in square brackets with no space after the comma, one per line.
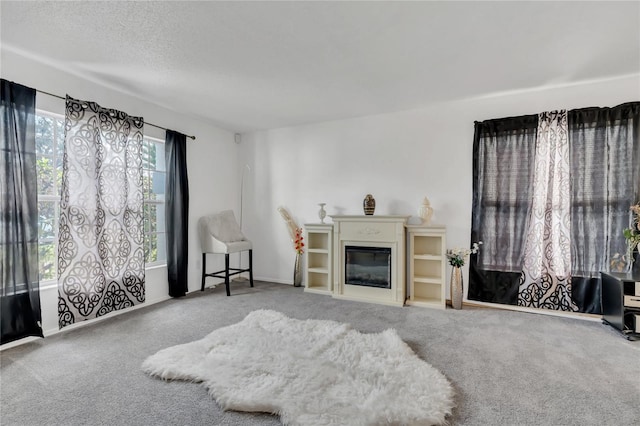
[220,234]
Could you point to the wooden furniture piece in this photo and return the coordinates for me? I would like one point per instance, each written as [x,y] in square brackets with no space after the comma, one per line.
[220,234]
[318,269]
[426,259]
[621,302]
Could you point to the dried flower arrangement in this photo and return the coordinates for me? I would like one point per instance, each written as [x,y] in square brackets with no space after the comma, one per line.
[298,243]
[295,232]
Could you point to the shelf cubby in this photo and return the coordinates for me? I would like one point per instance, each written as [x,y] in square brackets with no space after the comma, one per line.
[319,258]
[426,264]
[317,240]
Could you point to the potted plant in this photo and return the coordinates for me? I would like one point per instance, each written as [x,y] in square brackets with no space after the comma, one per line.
[632,235]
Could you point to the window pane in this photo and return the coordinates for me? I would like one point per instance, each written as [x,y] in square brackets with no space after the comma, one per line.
[153,218]
[46,173]
[160,212]
[153,209]
[153,247]
[46,220]
[146,218]
[160,164]
[147,251]
[44,135]
[47,259]
[149,155]
[158,185]
[146,184]
[161,246]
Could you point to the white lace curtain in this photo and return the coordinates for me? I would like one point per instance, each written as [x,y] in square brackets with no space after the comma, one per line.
[546,271]
[100,255]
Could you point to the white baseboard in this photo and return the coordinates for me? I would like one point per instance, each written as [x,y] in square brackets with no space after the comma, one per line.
[273,280]
[54,331]
[563,314]
[146,303]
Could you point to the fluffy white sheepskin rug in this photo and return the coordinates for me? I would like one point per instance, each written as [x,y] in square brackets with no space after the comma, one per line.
[310,373]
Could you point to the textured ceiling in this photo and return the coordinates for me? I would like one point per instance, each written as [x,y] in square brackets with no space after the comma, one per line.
[258,65]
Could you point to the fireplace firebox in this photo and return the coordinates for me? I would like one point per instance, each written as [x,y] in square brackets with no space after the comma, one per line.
[368,266]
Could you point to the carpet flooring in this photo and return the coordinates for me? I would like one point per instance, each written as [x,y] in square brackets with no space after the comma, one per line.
[507,368]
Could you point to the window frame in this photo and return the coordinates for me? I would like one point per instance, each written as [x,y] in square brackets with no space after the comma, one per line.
[155,202]
[55,199]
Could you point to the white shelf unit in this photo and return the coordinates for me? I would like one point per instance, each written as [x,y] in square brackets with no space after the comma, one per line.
[427,261]
[319,252]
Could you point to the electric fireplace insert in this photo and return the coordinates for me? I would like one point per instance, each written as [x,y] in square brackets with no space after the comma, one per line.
[368,266]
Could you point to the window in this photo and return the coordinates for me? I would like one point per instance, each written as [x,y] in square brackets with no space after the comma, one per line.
[153,169]
[49,153]
[604,180]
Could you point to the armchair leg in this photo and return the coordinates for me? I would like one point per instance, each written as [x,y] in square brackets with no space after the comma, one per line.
[251,267]
[204,268]
[226,273]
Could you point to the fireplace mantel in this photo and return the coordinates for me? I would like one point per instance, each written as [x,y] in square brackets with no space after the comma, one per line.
[370,231]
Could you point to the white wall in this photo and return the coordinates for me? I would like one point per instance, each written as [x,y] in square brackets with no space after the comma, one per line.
[399,158]
[214,177]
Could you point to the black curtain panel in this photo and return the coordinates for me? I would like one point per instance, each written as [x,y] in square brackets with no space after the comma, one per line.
[20,298]
[177,212]
[605,181]
[503,152]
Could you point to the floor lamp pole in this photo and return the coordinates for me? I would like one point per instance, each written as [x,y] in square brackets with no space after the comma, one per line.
[248,169]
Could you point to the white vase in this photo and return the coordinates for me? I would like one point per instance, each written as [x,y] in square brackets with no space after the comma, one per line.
[425,211]
[322,213]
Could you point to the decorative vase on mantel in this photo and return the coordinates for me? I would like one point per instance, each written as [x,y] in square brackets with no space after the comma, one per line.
[297,271]
[322,213]
[456,287]
[425,211]
[369,205]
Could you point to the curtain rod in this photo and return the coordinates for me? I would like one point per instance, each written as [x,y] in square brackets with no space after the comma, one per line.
[150,124]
